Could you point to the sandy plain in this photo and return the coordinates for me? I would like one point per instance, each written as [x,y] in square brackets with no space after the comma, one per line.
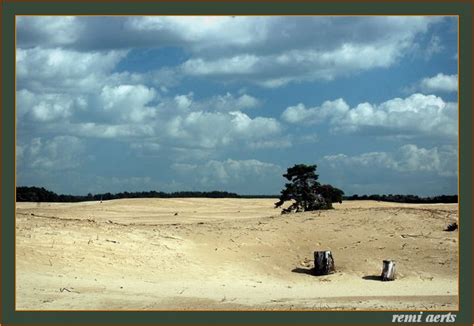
[232,254]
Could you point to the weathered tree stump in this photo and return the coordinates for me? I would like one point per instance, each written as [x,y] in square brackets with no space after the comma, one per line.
[323,263]
[388,271]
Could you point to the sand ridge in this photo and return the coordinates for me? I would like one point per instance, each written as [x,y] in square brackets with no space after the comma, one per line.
[232,254]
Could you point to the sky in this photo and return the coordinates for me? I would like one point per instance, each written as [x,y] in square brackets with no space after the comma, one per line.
[201,103]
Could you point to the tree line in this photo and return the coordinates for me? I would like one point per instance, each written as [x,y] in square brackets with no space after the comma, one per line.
[40,194]
[411,199]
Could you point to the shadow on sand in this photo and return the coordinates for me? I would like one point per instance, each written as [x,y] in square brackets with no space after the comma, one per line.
[373,277]
[299,270]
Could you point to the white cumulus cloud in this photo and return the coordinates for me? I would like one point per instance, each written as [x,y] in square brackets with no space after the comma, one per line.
[57,69]
[129,102]
[414,115]
[440,83]
[48,107]
[332,110]
[441,161]
[213,129]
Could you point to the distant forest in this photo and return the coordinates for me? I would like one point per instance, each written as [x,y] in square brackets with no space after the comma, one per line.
[446,199]
[37,194]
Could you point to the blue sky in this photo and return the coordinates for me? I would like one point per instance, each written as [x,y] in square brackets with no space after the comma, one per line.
[110,104]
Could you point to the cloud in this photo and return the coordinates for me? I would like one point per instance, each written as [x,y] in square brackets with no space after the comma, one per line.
[80,78]
[434,46]
[332,110]
[204,32]
[77,93]
[280,142]
[119,131]
[441,161]
[285,141]
[417,114]
[128,102]
[51,30]
[60,70]
[288,53]
[19,152]
[213,129]
[146,148]
[72,76]
[268,51]
[295,65]
[227,102]
[235,173]
[46,107]
[100,33]
[59,153]
[440,83]
[129,112]
[236,65]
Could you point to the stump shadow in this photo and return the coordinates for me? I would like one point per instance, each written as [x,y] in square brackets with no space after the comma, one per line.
[308,271]
[373,278]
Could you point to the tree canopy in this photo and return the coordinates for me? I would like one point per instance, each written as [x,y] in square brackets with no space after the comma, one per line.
[306,192]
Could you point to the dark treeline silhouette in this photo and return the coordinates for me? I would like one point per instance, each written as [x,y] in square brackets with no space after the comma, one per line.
[39,194]
[412,199]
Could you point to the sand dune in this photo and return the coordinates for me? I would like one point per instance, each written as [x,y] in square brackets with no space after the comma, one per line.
[232,254]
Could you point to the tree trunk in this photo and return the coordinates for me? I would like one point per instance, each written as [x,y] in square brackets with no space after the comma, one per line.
[323,263]
[388,271]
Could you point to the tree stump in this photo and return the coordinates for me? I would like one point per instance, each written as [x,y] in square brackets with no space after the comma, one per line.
[323,263]
[388,271]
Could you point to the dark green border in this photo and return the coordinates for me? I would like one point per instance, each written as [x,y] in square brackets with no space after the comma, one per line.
[464,10]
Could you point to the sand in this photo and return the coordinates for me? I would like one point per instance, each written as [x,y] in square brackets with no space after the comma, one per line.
[232,254]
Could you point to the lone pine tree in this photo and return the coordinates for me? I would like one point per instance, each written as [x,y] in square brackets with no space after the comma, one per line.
[306,192]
